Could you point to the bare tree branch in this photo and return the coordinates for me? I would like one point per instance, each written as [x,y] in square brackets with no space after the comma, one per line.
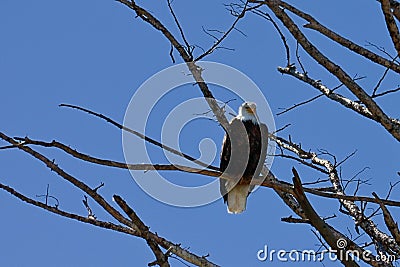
[334,69]
[294,195]
[391,24]
[194,69]
[315,25]
[395,5]
[346,102]
[276,184]
[102,224]
[176,249]
[330,235]
[366,224]
[389,221]
[111,163]
[143,231]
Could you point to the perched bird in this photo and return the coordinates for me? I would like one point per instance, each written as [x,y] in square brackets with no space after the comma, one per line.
[243,153]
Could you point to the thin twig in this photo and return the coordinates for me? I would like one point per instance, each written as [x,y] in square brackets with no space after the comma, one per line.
[266,16]
[346,158]
[299,104]
[383,50]
[387,92]
[90,212]
[189,48]
[298,59]
[227,32]
[379,83]
[282,128]
[47,196]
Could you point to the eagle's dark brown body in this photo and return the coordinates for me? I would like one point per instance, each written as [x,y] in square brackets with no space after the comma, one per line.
[242,156]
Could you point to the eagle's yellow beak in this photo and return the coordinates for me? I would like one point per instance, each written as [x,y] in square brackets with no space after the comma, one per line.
[249,110]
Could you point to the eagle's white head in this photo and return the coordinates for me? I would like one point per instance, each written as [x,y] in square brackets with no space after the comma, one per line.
[248,112]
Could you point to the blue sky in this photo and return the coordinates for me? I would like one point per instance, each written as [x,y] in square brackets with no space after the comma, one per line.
[96,54]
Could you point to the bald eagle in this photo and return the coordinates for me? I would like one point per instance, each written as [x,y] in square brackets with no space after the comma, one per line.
[243,154]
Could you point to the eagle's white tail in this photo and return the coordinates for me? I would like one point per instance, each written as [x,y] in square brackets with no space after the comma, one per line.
[237,198]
